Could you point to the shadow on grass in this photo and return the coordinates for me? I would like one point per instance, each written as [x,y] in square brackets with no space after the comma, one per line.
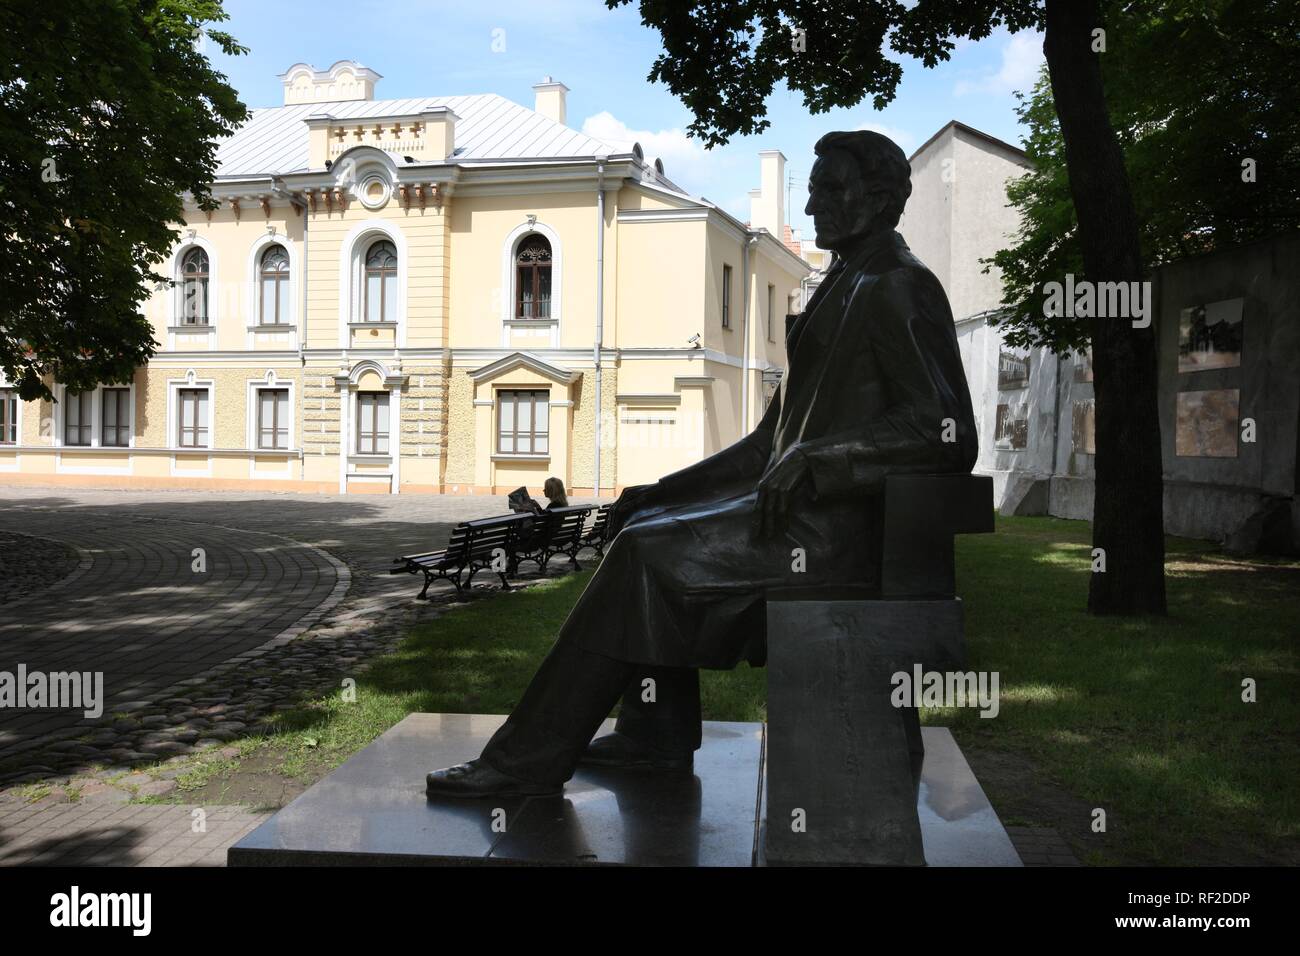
[1143,717]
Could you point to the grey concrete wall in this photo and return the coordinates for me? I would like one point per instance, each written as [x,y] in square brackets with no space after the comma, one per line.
[1214,497]
[926,223]
[980,345]
[982,220]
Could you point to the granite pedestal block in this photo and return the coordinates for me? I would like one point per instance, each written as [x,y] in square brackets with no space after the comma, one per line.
[372,811]
[844,763]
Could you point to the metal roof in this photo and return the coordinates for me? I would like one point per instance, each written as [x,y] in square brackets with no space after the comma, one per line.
[490,127]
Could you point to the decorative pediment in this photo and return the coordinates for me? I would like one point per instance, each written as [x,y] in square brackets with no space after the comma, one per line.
[508,363]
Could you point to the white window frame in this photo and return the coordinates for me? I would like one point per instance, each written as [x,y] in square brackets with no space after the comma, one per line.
[96,417]
[356,419]
[176,310]
[253,289]
[352,263]
[16,422]
[499,403]
[508,276]
[256,385]
[174,387]
[130,415]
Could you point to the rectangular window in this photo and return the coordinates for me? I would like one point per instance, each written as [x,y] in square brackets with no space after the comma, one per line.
[8,416]
[381,297]
[523,422]
[771,310]
[272,418]
[195,302]
[726,297]
[372,423]
[193,417]
[115,430]
[77,418]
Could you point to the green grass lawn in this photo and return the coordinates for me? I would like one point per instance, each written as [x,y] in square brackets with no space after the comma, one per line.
[1143,718]
[1140,717]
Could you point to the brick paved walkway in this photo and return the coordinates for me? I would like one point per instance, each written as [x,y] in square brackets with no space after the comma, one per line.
[137,611]
[134,608]
[1041,846]
[95,833]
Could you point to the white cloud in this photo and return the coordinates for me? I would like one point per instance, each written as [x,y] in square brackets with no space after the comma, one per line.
[902,137]
[1022,55]
[684,158]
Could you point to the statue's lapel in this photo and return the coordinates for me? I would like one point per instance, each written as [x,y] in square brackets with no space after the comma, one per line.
[824,323]
[826,312]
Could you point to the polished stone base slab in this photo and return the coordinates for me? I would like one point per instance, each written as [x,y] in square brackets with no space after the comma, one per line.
[373,811]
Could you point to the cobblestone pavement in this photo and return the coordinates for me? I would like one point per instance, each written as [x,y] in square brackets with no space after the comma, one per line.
[195,659]
[155,601]
[29,564]
[296,596]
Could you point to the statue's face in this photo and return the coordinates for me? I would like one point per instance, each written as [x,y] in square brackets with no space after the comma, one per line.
[842,205]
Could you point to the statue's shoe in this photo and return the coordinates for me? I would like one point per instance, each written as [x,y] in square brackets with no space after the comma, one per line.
[476,779]
[620,750]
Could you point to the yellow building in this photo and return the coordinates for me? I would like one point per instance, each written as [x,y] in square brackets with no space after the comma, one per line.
[455,294]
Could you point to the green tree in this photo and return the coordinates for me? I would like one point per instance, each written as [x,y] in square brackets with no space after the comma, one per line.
[723,58]
[1193,90]
[108,114]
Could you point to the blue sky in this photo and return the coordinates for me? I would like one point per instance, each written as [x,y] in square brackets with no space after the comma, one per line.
[442,48]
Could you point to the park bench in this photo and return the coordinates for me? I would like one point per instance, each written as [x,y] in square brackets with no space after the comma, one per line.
[558,531]
[594,536]
[485,544]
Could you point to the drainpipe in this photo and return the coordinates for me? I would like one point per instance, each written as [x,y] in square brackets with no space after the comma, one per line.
[744,337]
[302,345]
[600,307]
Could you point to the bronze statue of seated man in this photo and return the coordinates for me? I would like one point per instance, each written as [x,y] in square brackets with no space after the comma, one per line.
[874,386]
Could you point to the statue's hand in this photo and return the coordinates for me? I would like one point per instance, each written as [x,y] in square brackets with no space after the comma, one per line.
[632,499]
[776,493]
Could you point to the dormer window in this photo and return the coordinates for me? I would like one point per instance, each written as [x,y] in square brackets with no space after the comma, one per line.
[195,274]
[273,283]
[533,278]
[380,296]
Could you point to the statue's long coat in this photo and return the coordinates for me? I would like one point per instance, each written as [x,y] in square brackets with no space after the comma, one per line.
[875,386]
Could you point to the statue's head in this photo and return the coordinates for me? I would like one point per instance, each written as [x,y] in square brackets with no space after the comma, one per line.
[859,184]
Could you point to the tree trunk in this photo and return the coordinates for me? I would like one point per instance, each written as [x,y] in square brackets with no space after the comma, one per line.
[1128,511]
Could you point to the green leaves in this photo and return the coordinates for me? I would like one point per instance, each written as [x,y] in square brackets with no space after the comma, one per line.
[109,112]
[1193,89]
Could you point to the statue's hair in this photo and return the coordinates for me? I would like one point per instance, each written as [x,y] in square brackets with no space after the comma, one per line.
[880,163]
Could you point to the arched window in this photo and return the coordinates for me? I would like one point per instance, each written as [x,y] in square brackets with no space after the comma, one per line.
[380,303]
[273,277]
[533,278]
[194,287]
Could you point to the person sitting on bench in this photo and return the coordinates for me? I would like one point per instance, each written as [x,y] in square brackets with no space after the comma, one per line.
[524,503]
[874,386]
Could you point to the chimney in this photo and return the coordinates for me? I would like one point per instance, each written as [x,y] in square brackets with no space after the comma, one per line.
[550,99]
[439,132]
[767,203]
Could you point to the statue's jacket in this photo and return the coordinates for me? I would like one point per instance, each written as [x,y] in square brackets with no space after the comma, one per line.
[874,386]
